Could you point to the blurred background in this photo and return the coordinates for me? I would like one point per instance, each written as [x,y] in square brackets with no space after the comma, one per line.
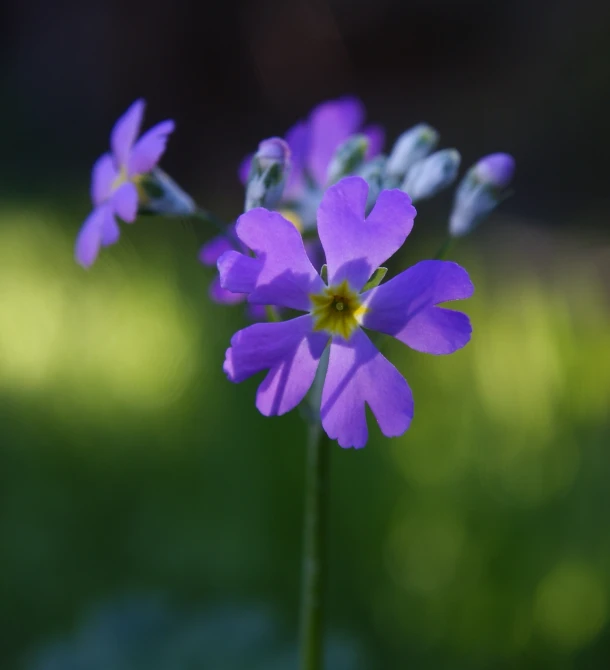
[149,516]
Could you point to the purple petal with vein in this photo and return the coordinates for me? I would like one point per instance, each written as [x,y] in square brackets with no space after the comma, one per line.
[125,131]
[125,202]
[356,247]
[405,307]
[331,123]
[102,178]
[238,273]
[288,349]
[286,277]
[149,148]
[358,375]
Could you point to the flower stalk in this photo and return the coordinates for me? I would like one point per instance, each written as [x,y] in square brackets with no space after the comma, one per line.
[314,548]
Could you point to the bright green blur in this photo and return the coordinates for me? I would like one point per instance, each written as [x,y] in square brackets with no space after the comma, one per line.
[130,464]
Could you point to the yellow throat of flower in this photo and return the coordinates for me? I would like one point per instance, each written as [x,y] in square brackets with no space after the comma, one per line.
[337,310]
[293,217]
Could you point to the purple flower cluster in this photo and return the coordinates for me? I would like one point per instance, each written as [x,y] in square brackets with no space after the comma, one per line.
[336,314]
[319,254]
[115,180]
[313,143]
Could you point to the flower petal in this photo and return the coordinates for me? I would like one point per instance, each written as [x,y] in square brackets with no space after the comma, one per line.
[244,169]
[331,124]
[125,202]
[89,238]
[376,138]
[211,251]
[298,139]
[286,277]
[125,131]
[102,178]
[356,247]
[358,375]
[110,228]
[405,307]
[290,350]
[238,273]
[222,296]
[149,148]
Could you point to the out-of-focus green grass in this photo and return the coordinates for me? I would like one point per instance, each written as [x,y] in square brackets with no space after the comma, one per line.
[129,464]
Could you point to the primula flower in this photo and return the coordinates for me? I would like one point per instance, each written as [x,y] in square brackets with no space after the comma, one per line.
[115,180]
[313,144]
[405,307]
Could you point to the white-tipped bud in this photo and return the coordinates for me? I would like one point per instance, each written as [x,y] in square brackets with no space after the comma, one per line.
[480,191]
[412,146]
[373,172]
[348,157]
[268,173]
[159,194]
[431,175]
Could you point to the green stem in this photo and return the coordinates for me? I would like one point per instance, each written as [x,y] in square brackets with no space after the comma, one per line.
[314,548]
[208,217]
[444,248]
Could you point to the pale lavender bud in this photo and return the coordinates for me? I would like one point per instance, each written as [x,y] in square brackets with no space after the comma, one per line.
[480,192]
[496,169]
[432,174]
[268,174]
[413,145]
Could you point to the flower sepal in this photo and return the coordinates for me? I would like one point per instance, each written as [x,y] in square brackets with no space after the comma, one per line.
[347,159]
[159,194]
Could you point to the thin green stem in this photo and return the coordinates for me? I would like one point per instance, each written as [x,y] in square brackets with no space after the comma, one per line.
[208,217]
[444,248]
[314,548]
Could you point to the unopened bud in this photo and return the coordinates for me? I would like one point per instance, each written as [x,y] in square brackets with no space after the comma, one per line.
[268,174]
[413,145]
[159,194]
[480,191]
[496,170]
[348,157]
[373,173]
[431,175]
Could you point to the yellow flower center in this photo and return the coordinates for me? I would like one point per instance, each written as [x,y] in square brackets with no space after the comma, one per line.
[136,179]
[337,310]
[293,217]
[120,179]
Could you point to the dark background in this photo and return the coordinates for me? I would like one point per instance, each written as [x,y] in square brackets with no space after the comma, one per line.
[136,479]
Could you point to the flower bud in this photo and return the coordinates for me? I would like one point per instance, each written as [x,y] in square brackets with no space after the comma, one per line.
[348,157]
[480,191]
[431,175]
[268,174]
[373,173]
[159,194]
[413,145]
[496,170]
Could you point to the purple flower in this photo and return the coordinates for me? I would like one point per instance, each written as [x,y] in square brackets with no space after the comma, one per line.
[115,179]
[313,144]
[405,307]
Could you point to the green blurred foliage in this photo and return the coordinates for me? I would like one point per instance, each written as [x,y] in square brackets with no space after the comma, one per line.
[130,465]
